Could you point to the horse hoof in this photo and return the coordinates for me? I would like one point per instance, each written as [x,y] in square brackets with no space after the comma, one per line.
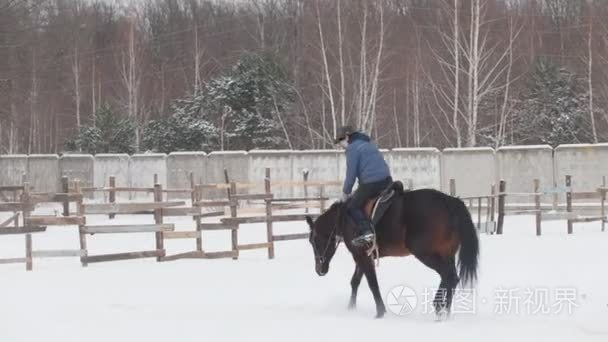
[442,315]
[379,315]
[352,306]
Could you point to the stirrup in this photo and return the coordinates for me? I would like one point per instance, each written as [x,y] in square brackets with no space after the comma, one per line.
[363,240]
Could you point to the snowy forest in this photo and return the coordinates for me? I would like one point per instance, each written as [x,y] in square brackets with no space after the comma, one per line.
[180,75]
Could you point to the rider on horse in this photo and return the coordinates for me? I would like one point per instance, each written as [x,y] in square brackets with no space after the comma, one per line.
[363,162]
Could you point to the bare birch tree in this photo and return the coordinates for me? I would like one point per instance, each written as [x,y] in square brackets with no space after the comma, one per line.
[131,77]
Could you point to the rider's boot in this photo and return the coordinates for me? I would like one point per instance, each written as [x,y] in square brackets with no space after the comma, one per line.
[365,234]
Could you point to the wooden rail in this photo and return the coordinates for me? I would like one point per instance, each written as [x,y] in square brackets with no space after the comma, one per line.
[72,194]
[552,214]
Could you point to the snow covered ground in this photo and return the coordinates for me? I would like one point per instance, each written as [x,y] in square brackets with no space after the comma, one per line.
[552,288]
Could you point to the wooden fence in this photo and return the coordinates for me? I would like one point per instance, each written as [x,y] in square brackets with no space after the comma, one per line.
[231,213]
[233,222]
[555,211]
[161,209]
[22,208]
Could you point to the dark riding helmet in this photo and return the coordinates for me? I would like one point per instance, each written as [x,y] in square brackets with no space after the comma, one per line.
[344,132]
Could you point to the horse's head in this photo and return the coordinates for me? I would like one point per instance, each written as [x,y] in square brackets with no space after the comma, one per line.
[324,239]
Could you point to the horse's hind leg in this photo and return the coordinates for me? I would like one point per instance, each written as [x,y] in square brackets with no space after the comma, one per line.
[446,269]
[452,281]
[354,284]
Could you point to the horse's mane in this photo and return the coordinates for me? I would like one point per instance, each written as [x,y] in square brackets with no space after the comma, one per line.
[335,213]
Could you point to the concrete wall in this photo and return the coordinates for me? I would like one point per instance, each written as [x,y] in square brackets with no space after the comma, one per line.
[143,167]
[237,164]
[421,165]
[43,172]
[179,166]
[280,164]
[78,166]
[322,165]
[107,165]
[585,163]
[520,165]
[473,169]
[12,167]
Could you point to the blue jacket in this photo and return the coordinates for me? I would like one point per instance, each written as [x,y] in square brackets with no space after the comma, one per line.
[364,162]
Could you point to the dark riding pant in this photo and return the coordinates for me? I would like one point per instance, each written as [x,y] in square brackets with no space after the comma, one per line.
[357,201]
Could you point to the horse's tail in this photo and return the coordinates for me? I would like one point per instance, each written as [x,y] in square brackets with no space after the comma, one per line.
[469,242]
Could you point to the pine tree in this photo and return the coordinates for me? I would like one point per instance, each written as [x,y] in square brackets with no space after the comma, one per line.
[256,91]
[111,133]
[184,130]
[553,108]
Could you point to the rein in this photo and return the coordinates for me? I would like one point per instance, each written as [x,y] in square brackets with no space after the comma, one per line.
[321,257]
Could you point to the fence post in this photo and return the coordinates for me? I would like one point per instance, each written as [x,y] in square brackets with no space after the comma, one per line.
[28,252]
[537,206]
[322,197]
[233,214]
[227,181]
[501,206]
[112,194]
[452,187]
[81,233]
[603,213]
[478,213]
[492,202]
[569,201]
[65,188]
[196,198]
[16,212]
[25,201]
[158,219]
[305,174]
[269,232]
[192,195]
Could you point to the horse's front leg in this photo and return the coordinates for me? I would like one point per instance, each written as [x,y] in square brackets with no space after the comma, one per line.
[354,284]
[367,266]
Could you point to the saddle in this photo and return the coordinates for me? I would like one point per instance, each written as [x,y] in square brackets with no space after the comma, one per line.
[375,208]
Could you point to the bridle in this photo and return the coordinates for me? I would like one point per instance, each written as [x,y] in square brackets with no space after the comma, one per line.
[321,257]
[334,233]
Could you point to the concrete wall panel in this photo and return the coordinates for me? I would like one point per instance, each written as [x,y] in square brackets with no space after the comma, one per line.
[179,166]
[473,169]
[43,172]
[237,164]
[585,163]
[143,167]
[78,166]
[520,165]
[107,165]
[322,165]
[420,165]
[280,164]
[12,167]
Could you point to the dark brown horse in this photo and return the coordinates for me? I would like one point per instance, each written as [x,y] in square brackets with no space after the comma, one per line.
[426,223]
